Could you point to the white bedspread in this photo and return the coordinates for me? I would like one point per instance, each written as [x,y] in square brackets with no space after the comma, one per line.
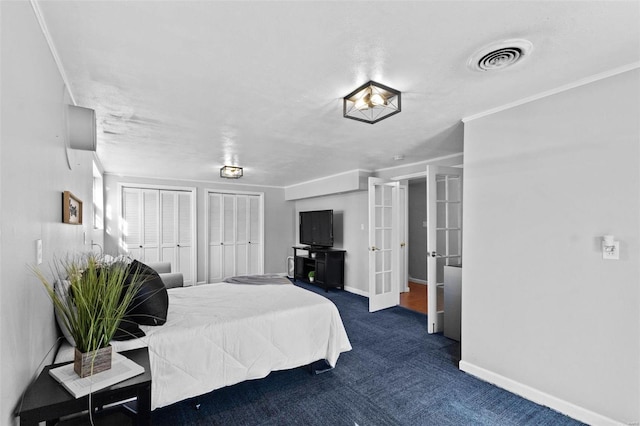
[221,334]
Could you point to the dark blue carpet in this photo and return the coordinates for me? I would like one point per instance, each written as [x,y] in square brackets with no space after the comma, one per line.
[396,374]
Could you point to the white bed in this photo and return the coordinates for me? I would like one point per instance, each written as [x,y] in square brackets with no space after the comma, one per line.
[220,334]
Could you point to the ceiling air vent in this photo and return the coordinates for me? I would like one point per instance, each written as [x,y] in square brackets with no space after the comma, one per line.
[499,55]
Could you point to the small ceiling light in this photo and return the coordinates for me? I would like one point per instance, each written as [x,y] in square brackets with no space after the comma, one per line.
[231,172]
[371,103]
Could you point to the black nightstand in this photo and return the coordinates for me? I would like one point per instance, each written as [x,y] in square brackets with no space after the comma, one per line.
[46,400]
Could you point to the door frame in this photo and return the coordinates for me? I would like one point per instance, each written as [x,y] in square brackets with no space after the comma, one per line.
[194,217]
[208,191]
[420,175]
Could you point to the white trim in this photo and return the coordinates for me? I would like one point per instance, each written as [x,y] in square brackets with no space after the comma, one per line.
[537,396]
[154,186]
[557,90]
[209,182]
[327,177]
[52,47]
[357,291]
[418,281]
[432,160]
[410,176]
[231,191]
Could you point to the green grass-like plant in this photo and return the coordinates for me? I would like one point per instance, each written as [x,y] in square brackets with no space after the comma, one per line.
[96,299]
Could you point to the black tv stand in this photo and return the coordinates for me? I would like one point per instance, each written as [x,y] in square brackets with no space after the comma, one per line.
[327,264]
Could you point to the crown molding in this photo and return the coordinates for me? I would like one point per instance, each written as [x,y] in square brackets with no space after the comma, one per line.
[52,47]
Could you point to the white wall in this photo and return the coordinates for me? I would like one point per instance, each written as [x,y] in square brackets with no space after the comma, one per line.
[417,231]
[350,232]
[279,218]
[33,175]
[542,313]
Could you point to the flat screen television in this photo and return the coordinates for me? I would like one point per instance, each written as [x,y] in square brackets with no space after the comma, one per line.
[316,228]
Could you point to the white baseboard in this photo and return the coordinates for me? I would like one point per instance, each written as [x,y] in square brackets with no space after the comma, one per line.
[537,396]
[356,291]
[417,281]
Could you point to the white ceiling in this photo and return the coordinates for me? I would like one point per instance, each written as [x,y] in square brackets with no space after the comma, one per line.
[181,88]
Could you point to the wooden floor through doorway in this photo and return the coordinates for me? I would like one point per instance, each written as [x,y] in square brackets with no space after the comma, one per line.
[416,298]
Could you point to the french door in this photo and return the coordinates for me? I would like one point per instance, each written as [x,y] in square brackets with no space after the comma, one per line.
[444,234]
[383,244]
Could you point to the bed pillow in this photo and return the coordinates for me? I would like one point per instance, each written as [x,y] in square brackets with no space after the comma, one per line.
[150,305]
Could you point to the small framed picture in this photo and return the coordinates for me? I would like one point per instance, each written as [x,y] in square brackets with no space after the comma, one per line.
[71,209]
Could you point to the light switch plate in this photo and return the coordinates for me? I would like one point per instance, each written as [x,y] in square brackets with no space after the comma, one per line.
[611,252]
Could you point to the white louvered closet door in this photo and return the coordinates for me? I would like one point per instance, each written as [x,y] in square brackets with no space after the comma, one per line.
[255,236]
[140,234]
[176,231]
[228,235]
[214,237]
[185,258]
[248,235]
[242,235]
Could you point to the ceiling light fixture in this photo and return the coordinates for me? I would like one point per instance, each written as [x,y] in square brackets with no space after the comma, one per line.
[231,172]
[371,103]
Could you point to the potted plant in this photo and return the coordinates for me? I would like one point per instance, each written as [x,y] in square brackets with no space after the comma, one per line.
[312,276]
[91,296]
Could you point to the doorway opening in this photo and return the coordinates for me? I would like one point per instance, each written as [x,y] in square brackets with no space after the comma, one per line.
[434,237]
[433,232]
[416,298]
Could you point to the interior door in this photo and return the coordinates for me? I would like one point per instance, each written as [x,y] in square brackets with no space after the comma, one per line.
[168,243]
[444,235]
[383,239]
[256,265]
[234,234]
[215,244]
[242,235]
[184,238]
[140,214]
